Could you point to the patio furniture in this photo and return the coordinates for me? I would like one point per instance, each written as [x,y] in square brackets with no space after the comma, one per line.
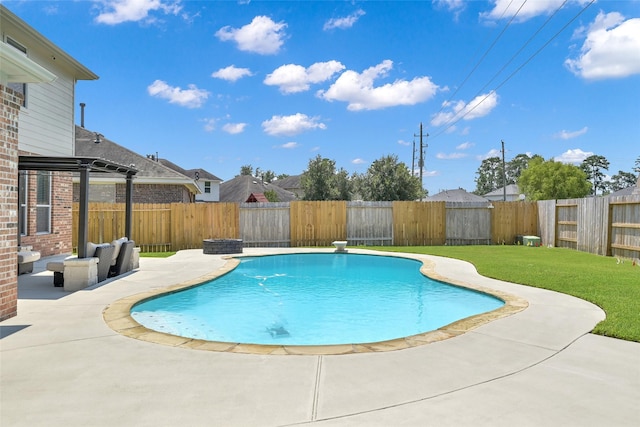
[123,260]
[83,272]
[26,258]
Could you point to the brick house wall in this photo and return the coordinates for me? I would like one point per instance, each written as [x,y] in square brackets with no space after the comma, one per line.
[58,241]
[142,193]
[9,202]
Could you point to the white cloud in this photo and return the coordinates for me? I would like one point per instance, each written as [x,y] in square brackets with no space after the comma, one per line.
[344,22]
[234,128]
[292,78]
[261,36]
[290,145]
[291,125]
[506,9]
[210,124]
[358,161]
[403,142]
[573,156]
[563,134]
[119,11]
[465,146]
[450,5]
[190,98]
[358,90]
[480,106]
[231,73]
[451,156]
[611,48]
[492,153]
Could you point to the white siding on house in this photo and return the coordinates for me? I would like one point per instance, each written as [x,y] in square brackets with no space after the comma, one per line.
[214,196]
[46,123]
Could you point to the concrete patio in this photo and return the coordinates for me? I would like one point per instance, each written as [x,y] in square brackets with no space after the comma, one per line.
[61,365]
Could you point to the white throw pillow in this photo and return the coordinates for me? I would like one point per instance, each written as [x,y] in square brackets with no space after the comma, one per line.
[91,249]
[117,244]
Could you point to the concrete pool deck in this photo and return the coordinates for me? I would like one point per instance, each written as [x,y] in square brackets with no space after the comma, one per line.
[61,365]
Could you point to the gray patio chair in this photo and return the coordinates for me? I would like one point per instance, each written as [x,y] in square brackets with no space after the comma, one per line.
[104,253]
[123,262]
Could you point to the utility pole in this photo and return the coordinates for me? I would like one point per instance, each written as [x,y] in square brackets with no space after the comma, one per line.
[504,176]
[423,146]
[413,159]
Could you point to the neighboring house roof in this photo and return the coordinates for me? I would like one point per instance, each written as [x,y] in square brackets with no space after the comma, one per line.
[289,183]
[624,192]
[240,188]
[257,198]
[43,46]
[197,173]
[512,190]
[458,195]
[149,171]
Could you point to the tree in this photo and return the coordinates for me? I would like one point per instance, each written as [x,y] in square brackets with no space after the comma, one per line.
[548,180]
[489,176]
[389,180]
[271,196]
[265,176]
[321,181]
[246,170]
[637,168]
[621,180]
[515,167]
[592,167]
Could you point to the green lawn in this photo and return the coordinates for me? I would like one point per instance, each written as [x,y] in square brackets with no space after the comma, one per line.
[157,254]
[601,280]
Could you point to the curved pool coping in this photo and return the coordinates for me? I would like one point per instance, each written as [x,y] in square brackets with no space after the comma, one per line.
[118,317]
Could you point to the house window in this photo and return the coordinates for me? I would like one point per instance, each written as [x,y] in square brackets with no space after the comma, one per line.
[18,87]
[207,187]
[22,201]
[43,203]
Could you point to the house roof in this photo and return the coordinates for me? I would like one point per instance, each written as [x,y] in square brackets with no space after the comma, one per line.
[458,195]
[512,189]
[240,188]
[257,198]
[149,171]
[624,192]
[15,27]
[197,173]
[290,182]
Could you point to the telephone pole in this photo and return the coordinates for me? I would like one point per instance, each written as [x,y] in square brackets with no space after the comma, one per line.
[423,146]
[504,176]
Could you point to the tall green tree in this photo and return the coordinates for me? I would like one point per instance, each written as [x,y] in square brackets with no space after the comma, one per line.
[548,180]
[593,167]
[489,176]
[321,181]
[516,166]
[387,179]
[636,169]
[246,170]
[621,180]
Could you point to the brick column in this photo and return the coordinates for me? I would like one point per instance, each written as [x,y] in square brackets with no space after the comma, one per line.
[9,202]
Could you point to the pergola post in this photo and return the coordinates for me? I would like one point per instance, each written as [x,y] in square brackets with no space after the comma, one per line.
[128,221]
[83,211]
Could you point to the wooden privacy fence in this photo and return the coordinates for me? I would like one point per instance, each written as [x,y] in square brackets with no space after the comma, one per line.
[176,226]
[599,225]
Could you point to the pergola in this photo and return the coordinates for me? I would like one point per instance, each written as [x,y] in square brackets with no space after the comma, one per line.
[84,166]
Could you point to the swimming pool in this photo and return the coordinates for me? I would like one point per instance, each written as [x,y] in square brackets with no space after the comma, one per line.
[313,299]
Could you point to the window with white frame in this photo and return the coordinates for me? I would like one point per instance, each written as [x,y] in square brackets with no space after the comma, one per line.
[18,87]
[43,203]
[22,202]
[207,187]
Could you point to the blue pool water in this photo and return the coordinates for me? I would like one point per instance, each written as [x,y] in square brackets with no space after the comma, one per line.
[313,299]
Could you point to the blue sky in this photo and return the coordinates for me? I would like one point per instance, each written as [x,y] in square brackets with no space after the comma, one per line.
[218,85]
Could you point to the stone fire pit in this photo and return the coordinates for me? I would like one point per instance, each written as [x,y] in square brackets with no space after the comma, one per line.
[222,246]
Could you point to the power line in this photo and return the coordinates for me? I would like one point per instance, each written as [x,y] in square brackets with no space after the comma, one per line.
[484,55]
[467,112]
